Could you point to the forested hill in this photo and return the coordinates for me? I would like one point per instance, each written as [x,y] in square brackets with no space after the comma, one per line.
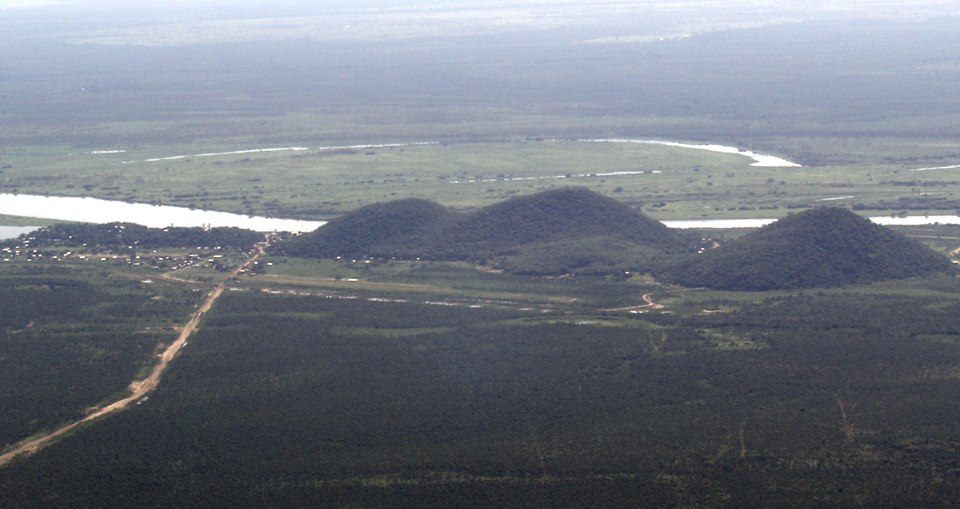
[129,234]
[398,228]
[573,219]
[822,247]
[561,214]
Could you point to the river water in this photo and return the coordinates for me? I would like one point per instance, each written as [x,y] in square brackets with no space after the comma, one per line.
[763,160]
[716,224]
[12,232]
[94,210]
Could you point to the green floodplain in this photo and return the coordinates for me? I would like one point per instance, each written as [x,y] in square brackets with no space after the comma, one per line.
[317,183]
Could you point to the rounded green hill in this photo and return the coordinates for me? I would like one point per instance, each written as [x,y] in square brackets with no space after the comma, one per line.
[549,232]
[822,247]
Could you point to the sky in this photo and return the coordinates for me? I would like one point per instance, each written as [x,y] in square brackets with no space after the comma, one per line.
[25,4]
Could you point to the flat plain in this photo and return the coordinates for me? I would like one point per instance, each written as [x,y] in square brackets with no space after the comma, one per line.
[320,183]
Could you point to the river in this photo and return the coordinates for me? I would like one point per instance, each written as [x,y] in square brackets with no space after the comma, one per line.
[12,232]
[717,224]
[94,210]
[763,160]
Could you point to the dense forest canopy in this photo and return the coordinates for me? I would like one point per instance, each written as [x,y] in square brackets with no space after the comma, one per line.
[374,404]
[577,230]
[551,231]
[129,234]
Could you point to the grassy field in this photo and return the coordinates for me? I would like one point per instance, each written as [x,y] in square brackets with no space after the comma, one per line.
[23,221]
[461,283]
[678,183]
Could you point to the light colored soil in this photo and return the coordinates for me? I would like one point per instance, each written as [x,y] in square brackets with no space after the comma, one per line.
[649,303]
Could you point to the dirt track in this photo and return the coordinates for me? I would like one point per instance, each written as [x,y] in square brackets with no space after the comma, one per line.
[649,304]
[138,388]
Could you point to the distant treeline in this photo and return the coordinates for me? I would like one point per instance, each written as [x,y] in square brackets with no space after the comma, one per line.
[129,234]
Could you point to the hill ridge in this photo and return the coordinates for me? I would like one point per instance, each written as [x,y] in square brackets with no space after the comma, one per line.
[821,247]
[561,218]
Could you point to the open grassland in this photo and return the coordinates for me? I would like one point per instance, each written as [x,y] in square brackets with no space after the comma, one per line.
[23,221]
[675,183]
[574,294]
[466,282]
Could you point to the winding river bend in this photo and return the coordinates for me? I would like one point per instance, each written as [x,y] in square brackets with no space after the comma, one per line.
[762,160]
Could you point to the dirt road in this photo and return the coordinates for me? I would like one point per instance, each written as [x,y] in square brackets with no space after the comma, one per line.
[649,304]
[138,388]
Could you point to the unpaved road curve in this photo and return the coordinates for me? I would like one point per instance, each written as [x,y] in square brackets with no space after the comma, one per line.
[138,388]
[649,304]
